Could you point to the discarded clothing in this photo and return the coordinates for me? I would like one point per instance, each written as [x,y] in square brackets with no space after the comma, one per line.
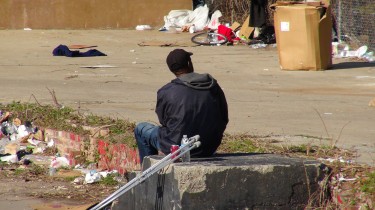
[22,153]
[63,50]
[227,32]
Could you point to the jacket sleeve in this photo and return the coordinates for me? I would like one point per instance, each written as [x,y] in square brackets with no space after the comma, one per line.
[160,108]
[223,105]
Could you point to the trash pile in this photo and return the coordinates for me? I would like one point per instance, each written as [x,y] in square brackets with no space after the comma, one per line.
[24,144]
[18,140]
[93,176]
[342,50]
[198,21]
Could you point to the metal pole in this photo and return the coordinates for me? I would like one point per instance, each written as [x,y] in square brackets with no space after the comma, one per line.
[193,143]
[339,21]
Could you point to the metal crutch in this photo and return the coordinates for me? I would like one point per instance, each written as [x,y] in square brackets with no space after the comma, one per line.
[192,143]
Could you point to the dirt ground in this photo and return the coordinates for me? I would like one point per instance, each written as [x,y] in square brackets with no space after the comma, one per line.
[26,190]
[319,107]
[293,106]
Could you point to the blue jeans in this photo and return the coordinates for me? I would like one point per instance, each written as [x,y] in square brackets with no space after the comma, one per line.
[146,135]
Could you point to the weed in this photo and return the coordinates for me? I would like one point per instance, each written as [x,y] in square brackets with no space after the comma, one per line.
[19,171]
[239,143]
[37,169]
[368,184]
[70,178]
[66,119]
[109,180]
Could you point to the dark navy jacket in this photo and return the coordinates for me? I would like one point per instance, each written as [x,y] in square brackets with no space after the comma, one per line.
[192,104]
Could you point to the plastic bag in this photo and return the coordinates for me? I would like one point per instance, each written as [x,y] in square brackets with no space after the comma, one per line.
[199,18]
[214,22]
[176,18]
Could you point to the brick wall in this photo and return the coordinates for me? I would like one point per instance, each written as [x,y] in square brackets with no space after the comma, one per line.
[77,149]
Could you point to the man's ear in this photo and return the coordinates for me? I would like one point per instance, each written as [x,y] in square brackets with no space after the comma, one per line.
[190,66]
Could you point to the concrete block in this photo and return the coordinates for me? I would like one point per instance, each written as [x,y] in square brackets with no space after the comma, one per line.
[231,181]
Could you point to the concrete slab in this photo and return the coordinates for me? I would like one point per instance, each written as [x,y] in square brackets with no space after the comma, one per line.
[232,181]
[329,106]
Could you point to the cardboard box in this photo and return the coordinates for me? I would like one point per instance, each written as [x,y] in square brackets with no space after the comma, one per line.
[235,26]
[246,30]
[303,36]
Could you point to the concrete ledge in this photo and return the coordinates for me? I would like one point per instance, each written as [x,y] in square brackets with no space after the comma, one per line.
[233,181]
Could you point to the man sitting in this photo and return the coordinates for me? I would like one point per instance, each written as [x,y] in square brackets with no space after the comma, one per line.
[191,104]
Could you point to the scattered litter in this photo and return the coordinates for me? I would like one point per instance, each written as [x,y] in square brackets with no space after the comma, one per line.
[9,159]
[92,177]
[79,180]
[342,50]
[27,29]
[257,46]
[52,171]
[34,142]
[39,159]
[132,50]
[156,43]
[26,162]
[340,159]
[341,179]
[21,153]
[328,113]
[51,143]
[192,29]
[143,27]
[59,162]
[61,188]
[99,66]
[11,148]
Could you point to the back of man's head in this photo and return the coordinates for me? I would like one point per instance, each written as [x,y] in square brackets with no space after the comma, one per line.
[179,59]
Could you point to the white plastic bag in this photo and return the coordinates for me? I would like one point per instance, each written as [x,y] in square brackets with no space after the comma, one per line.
[92,177]
[199,18]
[10,159]
[214,22]
[180,18]
[176,18]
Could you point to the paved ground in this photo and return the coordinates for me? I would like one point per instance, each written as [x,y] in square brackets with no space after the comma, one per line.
[293,106]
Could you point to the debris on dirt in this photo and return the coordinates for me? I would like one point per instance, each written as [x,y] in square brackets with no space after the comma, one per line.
[98,66]
[63,50]
[157,43]
[81,46]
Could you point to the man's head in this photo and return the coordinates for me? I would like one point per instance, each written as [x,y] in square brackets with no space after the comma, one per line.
[179,62]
